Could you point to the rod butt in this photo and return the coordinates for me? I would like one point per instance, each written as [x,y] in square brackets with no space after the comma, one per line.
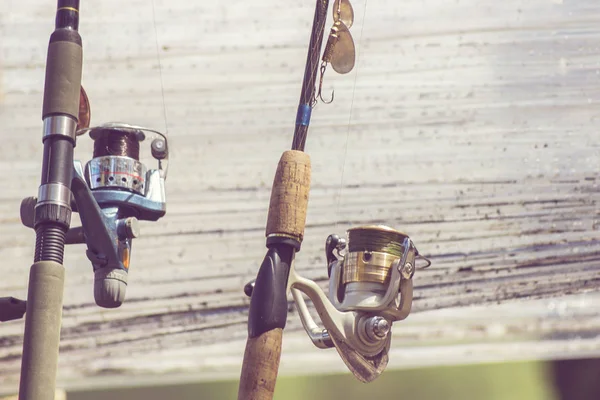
[42,331]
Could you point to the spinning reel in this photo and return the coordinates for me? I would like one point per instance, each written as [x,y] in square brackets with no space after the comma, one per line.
[370,288]
[112,193]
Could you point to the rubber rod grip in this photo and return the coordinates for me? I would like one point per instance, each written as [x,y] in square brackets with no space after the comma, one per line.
[42,331]
[63,79]
[261,363]
[289,196]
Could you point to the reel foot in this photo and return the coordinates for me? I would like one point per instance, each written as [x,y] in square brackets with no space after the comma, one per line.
[11,308]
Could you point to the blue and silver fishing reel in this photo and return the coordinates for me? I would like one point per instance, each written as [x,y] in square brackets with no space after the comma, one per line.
[112,193]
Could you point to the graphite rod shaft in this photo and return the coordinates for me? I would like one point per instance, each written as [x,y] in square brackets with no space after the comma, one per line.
[307,94]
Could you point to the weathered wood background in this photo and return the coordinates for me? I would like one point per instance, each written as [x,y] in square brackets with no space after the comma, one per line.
[471,125]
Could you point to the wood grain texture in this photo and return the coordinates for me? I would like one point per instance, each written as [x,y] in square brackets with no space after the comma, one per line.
[471,125]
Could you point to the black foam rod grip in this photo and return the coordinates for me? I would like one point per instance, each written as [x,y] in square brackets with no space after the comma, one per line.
[63,74]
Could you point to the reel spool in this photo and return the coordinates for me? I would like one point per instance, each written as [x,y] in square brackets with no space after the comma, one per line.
[370,287]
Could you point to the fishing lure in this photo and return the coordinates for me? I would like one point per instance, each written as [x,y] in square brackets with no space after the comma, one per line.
[339,51]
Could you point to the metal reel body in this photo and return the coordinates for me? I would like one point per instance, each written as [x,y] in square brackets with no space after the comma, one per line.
[352,311]
[124,189]
[115,192]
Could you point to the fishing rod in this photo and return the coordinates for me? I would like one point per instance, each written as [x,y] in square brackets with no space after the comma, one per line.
[370,284]
[284,232]
[111,194]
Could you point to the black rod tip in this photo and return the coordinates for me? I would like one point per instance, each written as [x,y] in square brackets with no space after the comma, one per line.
[67,14]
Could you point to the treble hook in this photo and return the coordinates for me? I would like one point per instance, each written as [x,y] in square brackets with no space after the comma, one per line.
[320,94]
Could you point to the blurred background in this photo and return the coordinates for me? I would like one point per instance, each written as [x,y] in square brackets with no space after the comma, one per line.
[551,380]
[470,125]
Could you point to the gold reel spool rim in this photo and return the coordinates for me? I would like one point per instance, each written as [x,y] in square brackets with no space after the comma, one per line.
[378,227]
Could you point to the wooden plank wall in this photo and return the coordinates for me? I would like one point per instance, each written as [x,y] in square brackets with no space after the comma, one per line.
[471,125]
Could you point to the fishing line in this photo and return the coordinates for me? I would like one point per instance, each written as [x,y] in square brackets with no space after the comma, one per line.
[380,240]
[341,187]
[124,144]
[162,86]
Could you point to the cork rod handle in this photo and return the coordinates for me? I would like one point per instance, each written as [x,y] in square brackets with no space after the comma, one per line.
[261,363]
[268,306]
[289,196]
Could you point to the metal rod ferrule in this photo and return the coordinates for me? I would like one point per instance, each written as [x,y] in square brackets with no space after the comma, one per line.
[60,125]
[54,193]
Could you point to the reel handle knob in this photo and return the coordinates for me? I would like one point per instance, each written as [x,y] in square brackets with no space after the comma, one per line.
[110,286]
[249,287]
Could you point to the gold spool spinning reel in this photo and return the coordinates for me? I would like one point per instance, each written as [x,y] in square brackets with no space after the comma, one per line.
[370,287]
